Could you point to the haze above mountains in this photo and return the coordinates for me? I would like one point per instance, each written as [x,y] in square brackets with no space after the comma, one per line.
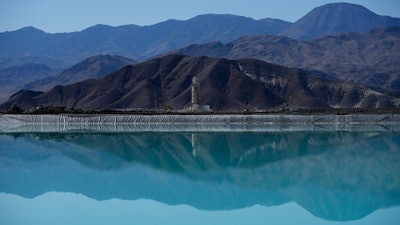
[312,44]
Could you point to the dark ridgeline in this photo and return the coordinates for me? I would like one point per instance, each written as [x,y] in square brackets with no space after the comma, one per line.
[226,85]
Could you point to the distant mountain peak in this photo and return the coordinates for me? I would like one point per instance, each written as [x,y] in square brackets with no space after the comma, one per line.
[214,15]
[30,29]
[340,11]
[99,28]
[342,5]
[335,18]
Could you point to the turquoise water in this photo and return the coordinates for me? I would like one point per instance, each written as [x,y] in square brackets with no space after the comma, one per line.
[275,177]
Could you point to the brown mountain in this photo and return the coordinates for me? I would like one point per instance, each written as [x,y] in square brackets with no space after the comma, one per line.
[371,59]
[225,85]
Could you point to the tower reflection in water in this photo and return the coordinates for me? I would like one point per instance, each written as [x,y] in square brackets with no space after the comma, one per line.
[338,176]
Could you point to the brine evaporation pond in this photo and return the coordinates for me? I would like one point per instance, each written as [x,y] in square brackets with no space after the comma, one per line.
[292,176]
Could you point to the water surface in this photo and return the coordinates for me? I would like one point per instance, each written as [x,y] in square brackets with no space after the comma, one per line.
[302,176]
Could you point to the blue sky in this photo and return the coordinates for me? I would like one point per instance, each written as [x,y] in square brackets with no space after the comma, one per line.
[74,15]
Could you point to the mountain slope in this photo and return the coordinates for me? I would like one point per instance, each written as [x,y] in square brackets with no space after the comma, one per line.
[12,77]
[225,85]
[370,58]
[42,77]
[95,66]
[337,18]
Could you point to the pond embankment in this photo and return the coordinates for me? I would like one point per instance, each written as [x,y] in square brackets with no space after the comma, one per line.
[196,123]
[199,119]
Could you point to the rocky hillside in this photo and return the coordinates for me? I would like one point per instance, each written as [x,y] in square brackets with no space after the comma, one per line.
[226,85]
[370,58]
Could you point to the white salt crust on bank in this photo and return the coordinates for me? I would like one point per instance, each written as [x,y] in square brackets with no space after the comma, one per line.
[196,123]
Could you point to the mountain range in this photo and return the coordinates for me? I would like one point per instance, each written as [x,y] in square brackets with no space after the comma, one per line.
[130,40]
[226,85]
[141,43]
[371,58]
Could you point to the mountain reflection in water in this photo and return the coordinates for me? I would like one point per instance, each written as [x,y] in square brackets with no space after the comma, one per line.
[334,175]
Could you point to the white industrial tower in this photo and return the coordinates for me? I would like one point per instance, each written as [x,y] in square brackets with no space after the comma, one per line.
[195,93]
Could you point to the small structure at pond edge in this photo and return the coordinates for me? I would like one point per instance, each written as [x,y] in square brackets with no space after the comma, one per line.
[195,103]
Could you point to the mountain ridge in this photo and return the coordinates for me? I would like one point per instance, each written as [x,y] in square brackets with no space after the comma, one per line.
[132,41]
[226,85]
[370,58]
[143,42]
